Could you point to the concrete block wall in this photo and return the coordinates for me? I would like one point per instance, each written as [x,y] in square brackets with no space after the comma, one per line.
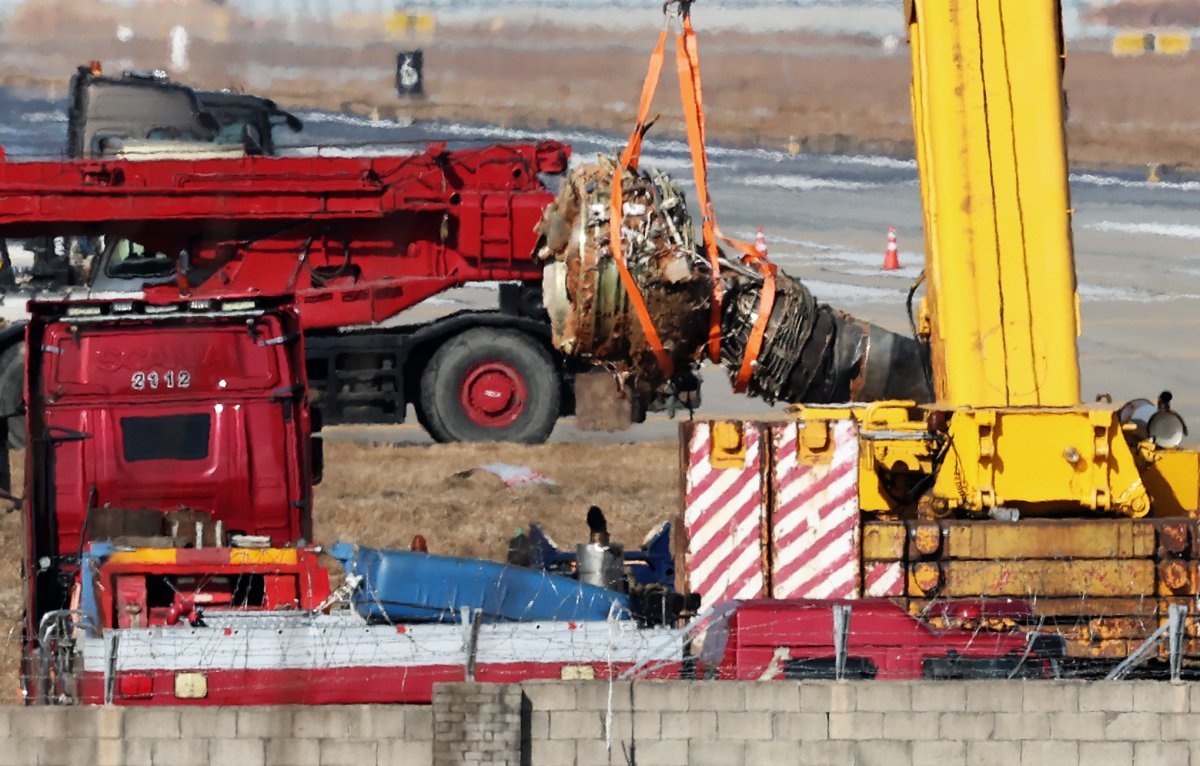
[1014,723]
[358,735]
[556,723]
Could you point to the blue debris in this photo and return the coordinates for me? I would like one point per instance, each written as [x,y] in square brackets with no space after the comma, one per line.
[406,586]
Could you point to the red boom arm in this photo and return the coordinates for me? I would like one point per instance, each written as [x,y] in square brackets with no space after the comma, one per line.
[356,239]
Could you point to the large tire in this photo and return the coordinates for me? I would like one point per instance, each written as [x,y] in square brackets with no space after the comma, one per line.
[490,385]
[12,387]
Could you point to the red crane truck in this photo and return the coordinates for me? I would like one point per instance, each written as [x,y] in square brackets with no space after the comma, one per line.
[358,241]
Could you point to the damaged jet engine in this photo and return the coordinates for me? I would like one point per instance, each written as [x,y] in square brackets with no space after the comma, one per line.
[810,352]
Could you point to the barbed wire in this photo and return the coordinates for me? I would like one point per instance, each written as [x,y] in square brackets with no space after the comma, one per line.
[343,656]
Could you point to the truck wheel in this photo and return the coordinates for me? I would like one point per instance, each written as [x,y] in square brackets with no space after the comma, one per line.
[490,385]
[12,384]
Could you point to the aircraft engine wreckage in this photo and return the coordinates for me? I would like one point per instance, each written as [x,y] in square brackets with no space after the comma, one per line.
[810,352]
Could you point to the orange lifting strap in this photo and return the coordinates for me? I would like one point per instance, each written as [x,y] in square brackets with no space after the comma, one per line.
[687,62]
[629,159]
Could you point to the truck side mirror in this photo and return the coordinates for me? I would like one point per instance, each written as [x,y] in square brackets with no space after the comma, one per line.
[251,142]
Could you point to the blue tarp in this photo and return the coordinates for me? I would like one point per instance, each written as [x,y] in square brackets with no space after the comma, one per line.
[404,586]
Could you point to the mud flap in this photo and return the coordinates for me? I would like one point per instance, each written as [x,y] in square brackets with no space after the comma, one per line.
[602,402]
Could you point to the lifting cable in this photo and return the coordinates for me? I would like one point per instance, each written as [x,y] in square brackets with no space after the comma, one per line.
[687,62]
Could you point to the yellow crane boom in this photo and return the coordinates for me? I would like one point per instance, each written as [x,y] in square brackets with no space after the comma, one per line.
[945,496]
[1001,305]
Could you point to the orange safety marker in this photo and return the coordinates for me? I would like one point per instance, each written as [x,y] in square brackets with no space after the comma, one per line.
[891,258]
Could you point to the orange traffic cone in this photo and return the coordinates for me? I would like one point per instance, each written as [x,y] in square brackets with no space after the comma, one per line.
[891,259]
[760,243]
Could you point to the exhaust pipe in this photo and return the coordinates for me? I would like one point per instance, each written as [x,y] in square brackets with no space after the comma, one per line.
[815,354]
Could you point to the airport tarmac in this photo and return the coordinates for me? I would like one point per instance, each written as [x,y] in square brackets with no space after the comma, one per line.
[825,220]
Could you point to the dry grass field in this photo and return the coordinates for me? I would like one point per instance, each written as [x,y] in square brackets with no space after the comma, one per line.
[382,496]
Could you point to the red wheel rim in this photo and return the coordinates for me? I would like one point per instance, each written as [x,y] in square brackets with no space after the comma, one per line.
[492,394]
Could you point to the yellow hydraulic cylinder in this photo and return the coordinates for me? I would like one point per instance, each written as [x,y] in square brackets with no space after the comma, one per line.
[988,113]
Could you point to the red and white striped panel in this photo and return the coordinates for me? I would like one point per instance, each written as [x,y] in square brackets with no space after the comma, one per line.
[882,579]
[723,515]
[815,528]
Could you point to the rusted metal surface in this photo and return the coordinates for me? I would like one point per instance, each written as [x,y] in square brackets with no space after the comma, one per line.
[1033,578]
[1065,612]
[1104,585]
[1092,628]
[1108,628]
[810,352]
[1176,577]
[1050,539]
[883,541]
[590,311]
[602,403]
[1175,537]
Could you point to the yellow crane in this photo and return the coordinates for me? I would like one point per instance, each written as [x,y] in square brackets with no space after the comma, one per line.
[1007,484]
[1001,311]
[981,474]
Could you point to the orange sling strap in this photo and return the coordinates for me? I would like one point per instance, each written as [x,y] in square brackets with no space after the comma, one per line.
[687,62]
[629,159]
[692,95]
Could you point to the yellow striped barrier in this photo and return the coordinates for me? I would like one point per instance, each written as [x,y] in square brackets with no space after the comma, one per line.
[1139,42]
[401,25]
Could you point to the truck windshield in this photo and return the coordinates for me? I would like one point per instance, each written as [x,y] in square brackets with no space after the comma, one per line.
[130,259]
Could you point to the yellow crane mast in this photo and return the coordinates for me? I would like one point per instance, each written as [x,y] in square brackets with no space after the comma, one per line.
[1006,485]
[988,115]
[1001,311]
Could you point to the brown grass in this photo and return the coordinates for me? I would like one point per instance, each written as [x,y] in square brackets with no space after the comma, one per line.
[12,599]
[381,496]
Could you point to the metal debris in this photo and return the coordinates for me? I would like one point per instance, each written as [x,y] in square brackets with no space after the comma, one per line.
[590,312]
[810,353]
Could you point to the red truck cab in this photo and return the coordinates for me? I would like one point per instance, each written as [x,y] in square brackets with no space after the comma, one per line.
[169,422]
[772,639]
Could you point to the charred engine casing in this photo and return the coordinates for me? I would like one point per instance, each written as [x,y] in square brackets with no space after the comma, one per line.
[810,352]
[591,314]
[815,354]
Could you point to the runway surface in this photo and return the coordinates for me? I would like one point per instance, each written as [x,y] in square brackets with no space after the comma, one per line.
[825,219]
